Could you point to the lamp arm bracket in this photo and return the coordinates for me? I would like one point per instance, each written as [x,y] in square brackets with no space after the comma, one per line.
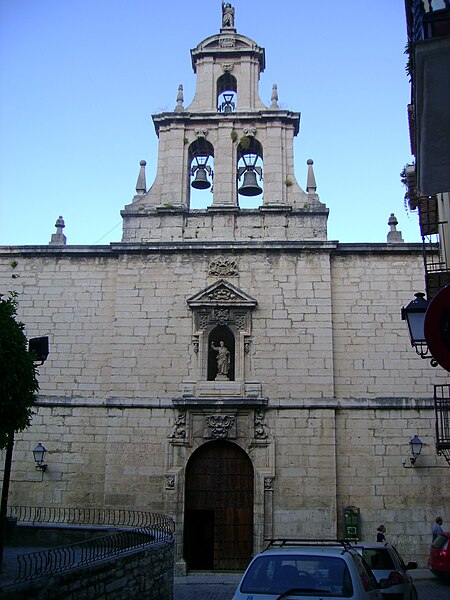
[413,466]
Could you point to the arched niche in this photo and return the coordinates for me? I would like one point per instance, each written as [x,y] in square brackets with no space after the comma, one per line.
[249,169]
[221,354]
[227,93]
[201,172]
[221,313]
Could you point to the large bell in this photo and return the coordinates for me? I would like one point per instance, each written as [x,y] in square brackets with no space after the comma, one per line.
[250,187]
[201,181]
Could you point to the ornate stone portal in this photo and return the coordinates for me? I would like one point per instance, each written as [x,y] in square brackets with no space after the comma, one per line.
[244,426]
[221,342]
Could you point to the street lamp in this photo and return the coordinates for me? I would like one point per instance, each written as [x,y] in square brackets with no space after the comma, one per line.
[414,315]
[38,347]
[39,457]
[416,448]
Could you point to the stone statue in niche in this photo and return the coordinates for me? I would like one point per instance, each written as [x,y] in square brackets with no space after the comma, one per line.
[223,360]
[227,15]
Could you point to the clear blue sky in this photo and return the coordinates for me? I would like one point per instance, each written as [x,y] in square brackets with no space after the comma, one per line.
[80,79]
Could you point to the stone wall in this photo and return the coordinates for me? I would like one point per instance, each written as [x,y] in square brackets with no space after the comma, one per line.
[146,574]
[341,391]
[322,459]
[327,322]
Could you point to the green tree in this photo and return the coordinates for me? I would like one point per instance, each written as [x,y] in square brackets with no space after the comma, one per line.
[18,387]
[18,383]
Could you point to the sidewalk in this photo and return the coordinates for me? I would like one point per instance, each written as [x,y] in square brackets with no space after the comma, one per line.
[206,586]
[418,574]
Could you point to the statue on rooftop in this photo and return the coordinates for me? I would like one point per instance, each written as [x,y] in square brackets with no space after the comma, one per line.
[227,15]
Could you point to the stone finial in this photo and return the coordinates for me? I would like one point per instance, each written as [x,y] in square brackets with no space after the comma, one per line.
[179,107]
[141,185]
[274,97]
[58,238]
[394,236]
[311,186]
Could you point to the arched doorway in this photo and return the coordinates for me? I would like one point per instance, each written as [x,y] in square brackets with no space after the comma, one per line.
[218,531]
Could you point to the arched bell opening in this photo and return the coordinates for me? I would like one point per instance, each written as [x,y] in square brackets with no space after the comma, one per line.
[201,173]
[250,169]
[227,93]
[221,354]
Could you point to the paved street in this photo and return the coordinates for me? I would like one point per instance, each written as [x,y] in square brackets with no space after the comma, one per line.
[222,586]
[433,589]
[206,586]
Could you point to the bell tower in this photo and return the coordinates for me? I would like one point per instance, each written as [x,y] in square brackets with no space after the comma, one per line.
[231,148]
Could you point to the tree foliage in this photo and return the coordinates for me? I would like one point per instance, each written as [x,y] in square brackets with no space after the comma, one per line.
[18,382]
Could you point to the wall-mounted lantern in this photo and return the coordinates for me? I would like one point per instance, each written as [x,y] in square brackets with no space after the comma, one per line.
[414,315]
[38,347]
[39,454]
[416,448]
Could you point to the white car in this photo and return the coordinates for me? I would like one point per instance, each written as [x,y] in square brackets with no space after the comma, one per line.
[293,569]
[386,563]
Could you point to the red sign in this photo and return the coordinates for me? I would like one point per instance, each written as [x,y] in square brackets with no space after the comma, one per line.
[437,327]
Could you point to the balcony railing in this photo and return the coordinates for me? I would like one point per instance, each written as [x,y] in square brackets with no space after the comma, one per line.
[428,18]
[436,259]
[442,410]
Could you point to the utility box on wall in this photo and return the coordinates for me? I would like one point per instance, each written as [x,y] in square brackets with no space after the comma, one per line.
[352,523]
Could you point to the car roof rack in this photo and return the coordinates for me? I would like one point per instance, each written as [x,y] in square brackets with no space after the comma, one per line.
[283,542]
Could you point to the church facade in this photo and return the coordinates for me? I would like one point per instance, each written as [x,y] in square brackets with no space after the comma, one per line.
[229,365]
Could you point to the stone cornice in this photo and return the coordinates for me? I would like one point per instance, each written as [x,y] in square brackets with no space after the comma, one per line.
[116,248]
[234,118]
[379,403]
[378,248]
[56,250]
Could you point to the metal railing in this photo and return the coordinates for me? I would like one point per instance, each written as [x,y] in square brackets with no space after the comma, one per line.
[92,516]
[442,412]
[55,560]
[147,529]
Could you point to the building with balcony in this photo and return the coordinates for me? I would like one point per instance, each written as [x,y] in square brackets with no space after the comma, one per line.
[428,180]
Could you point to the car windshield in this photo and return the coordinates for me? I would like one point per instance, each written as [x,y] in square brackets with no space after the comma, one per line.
[327,575]
[378,559]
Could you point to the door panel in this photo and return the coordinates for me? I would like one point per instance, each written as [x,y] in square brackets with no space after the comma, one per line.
[219,498]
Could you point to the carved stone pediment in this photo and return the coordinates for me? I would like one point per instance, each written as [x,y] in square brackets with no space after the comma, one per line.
[222,293]
[221,314]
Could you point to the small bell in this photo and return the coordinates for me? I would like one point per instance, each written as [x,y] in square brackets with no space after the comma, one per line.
[201,180]
[250,186]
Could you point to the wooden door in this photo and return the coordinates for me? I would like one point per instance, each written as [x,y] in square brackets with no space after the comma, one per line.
[218,530]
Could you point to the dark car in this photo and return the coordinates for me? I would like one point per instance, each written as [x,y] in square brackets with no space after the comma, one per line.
[387,564]
[439,560]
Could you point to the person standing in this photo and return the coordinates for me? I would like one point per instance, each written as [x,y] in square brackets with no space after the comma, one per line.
[381,530]
[437,528]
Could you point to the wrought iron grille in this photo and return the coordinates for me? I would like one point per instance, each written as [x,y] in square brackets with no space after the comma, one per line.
[146,529]
[91,516]
[435,252]
[426,17]
[442,410]
[55,560]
